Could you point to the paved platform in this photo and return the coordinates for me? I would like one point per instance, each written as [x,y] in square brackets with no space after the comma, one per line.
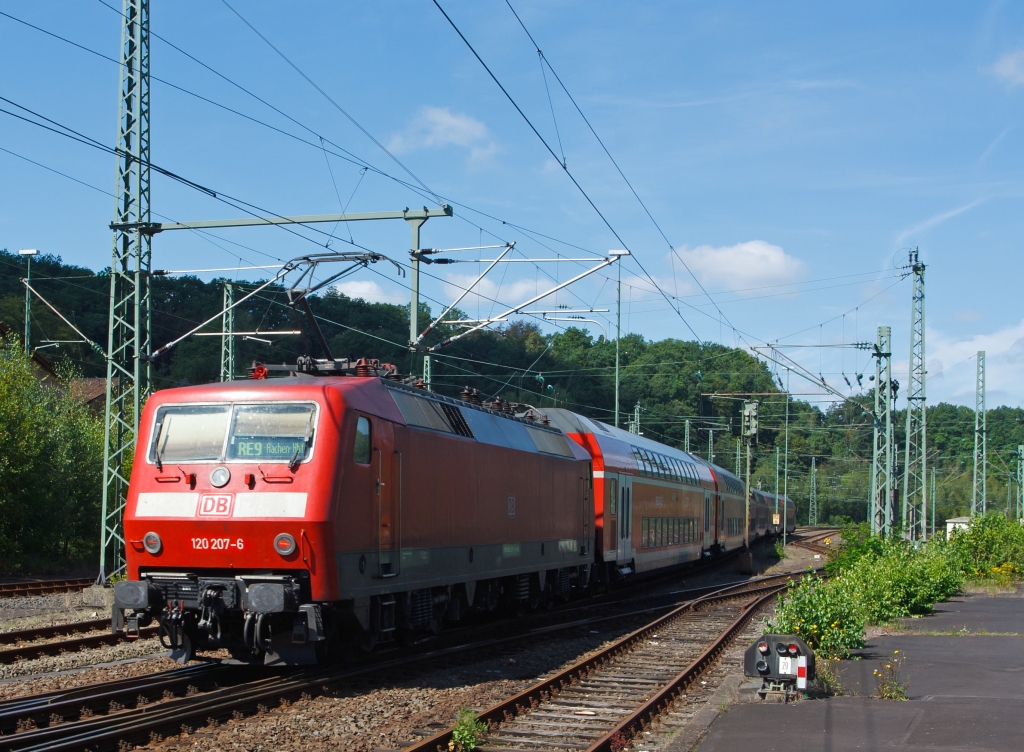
[965,665]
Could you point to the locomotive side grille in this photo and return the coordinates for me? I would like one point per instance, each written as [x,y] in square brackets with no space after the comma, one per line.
[421,412]
[458,423]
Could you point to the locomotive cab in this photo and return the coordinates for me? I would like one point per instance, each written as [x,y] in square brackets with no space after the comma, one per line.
[225,512]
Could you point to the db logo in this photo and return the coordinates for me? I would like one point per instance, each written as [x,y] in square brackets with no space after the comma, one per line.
[215,505]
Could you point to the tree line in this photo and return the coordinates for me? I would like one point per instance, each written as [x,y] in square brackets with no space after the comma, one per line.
[672,381]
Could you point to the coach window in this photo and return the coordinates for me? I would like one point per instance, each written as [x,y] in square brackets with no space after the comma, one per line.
[361,449]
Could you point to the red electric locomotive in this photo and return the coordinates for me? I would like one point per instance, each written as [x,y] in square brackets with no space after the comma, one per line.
[277,517]
[285,519]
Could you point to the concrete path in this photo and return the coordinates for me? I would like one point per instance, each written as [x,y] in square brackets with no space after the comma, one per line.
[965,665]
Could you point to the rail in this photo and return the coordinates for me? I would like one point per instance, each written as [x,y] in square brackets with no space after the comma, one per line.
[531,697]
[140,711]
[42,587]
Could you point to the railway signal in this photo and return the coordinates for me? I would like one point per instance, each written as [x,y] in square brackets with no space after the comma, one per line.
[784,663]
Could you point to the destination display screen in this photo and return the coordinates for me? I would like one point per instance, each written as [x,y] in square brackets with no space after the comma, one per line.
[266,447]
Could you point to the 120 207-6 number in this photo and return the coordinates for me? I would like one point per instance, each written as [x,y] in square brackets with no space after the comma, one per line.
[217,544]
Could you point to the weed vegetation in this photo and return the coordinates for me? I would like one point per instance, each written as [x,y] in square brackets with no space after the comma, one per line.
[468,732]
[876,581]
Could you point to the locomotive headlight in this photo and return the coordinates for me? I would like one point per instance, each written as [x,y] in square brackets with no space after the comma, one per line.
[220,476]
[152,543]
[284,544]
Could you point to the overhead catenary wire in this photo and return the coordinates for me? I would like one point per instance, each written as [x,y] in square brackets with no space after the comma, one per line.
[330,99]
[565,168]
[351,157]
[647,211]
[676,297]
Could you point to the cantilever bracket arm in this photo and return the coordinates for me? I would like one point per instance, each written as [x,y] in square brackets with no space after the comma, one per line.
[432,324]
[88,341]
[516,309]
[151,228]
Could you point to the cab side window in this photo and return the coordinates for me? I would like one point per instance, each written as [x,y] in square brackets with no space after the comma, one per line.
[361,448]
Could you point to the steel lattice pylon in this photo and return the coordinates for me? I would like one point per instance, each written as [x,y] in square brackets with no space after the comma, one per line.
[979,503]
[129,335]
[812,509]
[915,495]
[1020,482]
[227,335]
[881,511]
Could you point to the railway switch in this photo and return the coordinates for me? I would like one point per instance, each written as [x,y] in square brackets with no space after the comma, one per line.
[784,663]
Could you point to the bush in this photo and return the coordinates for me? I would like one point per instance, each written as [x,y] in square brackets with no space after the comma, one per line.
[991,547]
[823,615]
[872,581]
[51,461]
[900,580]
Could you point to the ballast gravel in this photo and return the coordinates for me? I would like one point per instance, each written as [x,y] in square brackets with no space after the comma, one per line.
[67,661]
[26,611]
[380,712]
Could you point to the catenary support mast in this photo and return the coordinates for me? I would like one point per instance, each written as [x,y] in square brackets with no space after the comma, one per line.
[915,494]
[227,336]
[1020,482]
[881,511]
[812,507]
[129,332]
[978,499]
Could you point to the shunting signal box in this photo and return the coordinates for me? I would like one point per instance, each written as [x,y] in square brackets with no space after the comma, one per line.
[784,663]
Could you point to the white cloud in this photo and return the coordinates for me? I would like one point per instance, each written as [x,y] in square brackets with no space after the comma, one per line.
[754,263]
[952,366]
[434,127]
[370,291]
[1010,67]
[935,220]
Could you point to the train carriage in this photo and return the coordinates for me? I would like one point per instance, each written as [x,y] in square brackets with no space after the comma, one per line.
[287,518]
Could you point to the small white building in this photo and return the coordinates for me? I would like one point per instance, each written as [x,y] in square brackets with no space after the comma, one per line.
[954,523]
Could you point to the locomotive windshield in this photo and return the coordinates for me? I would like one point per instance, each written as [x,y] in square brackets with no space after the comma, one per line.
[215,433]
[271,432]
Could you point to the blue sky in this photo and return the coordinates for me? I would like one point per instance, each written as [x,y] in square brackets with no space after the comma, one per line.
[790,152]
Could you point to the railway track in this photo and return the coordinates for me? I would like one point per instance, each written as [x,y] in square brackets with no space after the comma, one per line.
[606,699]
[42,587]
[25,652]
[150,707]
[815,540]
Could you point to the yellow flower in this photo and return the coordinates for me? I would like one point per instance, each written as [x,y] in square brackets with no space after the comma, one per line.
[895,651]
